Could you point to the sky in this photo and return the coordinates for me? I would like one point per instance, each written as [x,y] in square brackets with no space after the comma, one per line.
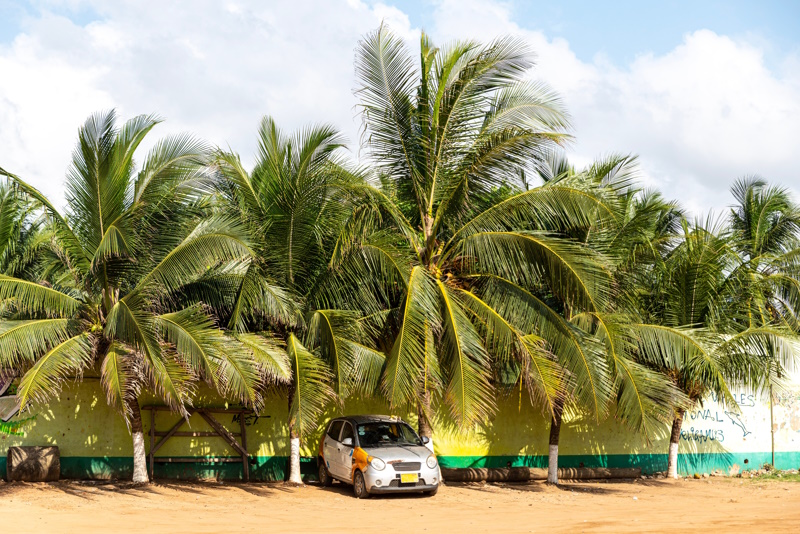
[703,92]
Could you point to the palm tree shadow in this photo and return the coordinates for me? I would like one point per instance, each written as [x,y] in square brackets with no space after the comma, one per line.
[86,490]
[127,488]
[195,488]
[539,486]
[262,489]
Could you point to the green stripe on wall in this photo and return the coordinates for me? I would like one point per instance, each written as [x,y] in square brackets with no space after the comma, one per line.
[266,468]
[649,463]
[262,468]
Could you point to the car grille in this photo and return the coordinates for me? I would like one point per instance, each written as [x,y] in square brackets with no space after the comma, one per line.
[396,483]
[407,466]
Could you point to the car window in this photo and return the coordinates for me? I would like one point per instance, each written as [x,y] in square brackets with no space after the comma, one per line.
[347,432]
[386,433]
[335,428]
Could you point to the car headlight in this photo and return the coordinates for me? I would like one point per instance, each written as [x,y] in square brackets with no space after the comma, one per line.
[431,461]
[377,463]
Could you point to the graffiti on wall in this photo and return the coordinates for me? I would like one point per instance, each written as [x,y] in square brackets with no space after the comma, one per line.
[714,423]
[250,419]
[15,428]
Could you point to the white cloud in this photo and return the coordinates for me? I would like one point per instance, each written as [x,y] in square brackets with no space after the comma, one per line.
[211,69]
[699,116]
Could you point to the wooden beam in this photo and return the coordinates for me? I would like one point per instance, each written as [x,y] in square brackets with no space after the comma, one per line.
[199,460]
[195,434]
[190,410]
[222,431]
[168,434]
[246,457]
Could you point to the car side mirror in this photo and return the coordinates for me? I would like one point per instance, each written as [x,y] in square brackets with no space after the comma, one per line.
[425,440]
[348,442]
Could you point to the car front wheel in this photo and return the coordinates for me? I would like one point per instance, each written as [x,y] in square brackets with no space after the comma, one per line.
[359,486]
[325,478]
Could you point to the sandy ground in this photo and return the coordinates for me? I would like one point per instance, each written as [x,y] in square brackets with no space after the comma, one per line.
[633,506]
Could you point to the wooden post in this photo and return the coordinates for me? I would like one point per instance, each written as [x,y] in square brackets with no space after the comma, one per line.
[152,443]
[245,457]
[772,423]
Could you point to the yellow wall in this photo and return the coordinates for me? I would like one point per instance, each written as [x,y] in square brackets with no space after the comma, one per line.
[83,427]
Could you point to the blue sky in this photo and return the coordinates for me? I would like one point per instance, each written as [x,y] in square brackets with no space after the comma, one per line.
[620,29]
[703,91]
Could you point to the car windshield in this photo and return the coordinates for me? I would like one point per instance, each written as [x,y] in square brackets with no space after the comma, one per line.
[383,433]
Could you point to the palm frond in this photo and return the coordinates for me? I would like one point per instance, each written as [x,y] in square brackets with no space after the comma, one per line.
[44,379]
[219,359]
[540,374]
[118,375]
[213,241]
[469,391]
[572,272]
[311,391]
[409,360]
[32,298]
[270,355]
[22,341]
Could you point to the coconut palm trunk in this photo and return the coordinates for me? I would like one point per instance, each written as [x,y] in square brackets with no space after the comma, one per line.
[555,432]
[137,433]
[294,456]
[674,439]
[424,427]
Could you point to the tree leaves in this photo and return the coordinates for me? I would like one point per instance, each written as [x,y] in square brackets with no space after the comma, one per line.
[44,379]
[32,298]
[310,390]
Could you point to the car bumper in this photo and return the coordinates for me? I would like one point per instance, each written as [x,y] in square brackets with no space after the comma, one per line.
[388,481]
[402,489]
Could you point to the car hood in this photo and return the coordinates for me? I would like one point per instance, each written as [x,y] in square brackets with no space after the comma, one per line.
[406,453]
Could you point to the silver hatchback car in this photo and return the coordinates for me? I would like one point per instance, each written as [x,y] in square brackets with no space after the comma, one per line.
[377,454]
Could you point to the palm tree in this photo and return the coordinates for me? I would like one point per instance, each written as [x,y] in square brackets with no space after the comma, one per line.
[298,204]
[21,234]
[475,265]
[698,334]
[118,285]
[766,234]
[601,351]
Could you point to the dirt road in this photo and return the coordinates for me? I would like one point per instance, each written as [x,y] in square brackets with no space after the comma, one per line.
[716,504]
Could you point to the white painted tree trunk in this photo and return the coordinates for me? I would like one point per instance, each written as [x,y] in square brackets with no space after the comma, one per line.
[674,440]
[555,434]
[672,463]
[139,459]
[552,465]
[430,444]
[294,461]
[137,433]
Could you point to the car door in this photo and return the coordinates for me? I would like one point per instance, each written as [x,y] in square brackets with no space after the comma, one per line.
[346,451]
[331,446]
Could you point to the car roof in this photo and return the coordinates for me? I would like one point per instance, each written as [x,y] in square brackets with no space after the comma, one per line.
[360,419]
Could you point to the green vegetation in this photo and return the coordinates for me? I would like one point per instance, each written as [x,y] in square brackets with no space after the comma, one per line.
[463,259]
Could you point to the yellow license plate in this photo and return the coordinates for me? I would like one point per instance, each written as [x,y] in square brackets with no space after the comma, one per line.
[406,478]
